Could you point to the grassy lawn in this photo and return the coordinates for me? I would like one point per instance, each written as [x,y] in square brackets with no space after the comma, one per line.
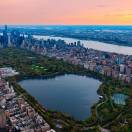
[38,68]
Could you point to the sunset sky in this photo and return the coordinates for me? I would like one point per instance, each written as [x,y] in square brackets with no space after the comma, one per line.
[66,12]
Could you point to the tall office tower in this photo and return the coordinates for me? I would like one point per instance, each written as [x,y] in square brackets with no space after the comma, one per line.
[1,40]
[2,119]
[6,27]
[122,68]
[9,40]
[5,37]
[16,38]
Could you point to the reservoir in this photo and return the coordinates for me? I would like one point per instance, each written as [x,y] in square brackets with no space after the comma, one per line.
[71,94]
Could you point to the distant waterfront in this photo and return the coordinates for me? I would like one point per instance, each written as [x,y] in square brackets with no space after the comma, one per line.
[93,44]
[72,94]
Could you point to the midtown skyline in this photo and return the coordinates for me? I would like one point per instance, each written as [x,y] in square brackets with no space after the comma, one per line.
[66,12]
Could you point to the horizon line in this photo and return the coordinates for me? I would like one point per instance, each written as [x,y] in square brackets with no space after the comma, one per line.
[66,24]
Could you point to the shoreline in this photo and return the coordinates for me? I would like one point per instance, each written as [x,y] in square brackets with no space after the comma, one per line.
[91,44]
[86,39]
[52,78]
[52,117]
[64,115]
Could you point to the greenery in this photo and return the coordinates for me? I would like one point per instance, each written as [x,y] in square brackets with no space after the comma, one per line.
[105,113]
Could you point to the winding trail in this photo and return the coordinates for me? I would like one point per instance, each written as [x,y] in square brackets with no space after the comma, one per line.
[98,105]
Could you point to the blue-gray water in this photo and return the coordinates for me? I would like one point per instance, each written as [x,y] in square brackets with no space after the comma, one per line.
[72,94]
[92,44]
[119,98]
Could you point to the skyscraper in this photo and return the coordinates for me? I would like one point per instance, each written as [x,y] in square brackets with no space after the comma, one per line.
[16,38]
[5,37]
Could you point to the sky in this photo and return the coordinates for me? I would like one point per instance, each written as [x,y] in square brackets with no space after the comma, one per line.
[66,12]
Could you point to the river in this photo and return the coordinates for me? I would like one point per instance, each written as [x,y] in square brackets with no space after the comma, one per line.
[93,44]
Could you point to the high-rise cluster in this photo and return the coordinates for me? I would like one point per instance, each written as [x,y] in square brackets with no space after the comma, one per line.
[11,39]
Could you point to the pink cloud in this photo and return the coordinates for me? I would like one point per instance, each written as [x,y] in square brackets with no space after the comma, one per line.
[64,11]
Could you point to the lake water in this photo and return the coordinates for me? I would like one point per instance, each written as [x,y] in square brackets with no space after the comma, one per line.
[119,98]
[71,94]
[93,44]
